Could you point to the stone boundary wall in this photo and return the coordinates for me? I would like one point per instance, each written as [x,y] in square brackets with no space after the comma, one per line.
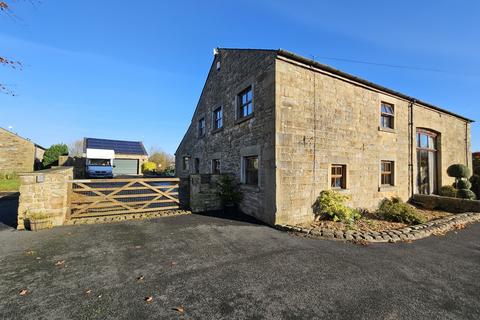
[416,232]
[44,193]
[204,192]
[454,205]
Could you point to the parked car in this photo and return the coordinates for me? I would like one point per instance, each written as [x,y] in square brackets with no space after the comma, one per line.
[99,168]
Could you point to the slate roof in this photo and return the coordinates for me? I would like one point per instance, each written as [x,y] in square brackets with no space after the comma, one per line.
[119,146]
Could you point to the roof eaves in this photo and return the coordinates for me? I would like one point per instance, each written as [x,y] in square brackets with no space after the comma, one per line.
[293,56]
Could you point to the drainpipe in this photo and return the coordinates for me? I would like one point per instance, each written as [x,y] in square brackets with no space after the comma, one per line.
[466,143]
[410,124]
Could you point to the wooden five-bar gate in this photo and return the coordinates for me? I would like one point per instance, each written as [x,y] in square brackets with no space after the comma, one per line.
[110,197]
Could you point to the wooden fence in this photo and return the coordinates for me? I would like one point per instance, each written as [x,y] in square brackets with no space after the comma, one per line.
[109,197]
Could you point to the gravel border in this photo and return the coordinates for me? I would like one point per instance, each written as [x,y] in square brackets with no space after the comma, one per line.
[131,216]
[416,232]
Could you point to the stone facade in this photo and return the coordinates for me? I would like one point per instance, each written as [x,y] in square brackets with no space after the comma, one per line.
[307,117]
[476,159]
[44,192]
[18,154]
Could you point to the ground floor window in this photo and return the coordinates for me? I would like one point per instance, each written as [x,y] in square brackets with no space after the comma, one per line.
[185,163]
[427,161]
[216,166]
[387,175]
[197,165]
[250,170]
[338,176]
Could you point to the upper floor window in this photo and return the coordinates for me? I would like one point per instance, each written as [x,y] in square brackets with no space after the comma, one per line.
[387,116]
[217,118]
[201,127]
[387,173]
[197,165]
[185,163]
[245,103]
[338,176]
[250,170]
[216,166]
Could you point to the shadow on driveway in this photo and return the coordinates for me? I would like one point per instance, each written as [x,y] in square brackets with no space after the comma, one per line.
[8,211]
[234,215]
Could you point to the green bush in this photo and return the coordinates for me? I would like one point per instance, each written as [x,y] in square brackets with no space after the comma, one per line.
[475,181]
[331,204]
[50,158]
[229,191]
[396,210]
[464,184]
[459,171]
[466,194]
[448,191]
[149,166]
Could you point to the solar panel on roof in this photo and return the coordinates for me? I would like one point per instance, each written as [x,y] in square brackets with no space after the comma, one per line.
[119,146]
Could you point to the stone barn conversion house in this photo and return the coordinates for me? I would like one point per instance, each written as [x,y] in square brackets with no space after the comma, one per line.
[288,127]
[18,154]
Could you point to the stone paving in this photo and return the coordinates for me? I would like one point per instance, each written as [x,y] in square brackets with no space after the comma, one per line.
[415,232]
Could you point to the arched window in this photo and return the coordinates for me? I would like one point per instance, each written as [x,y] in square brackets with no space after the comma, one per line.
[427,155]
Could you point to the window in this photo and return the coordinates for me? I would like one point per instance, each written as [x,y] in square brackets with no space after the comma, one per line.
[387,116]
[201,127]
[427,166]
[387,173]
[250,168]
[197,165]
[217,118]
[216,166]
[185,163]
[245,103]
[338,176]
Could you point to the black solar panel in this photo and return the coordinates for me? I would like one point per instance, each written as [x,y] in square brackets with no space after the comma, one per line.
[123,147]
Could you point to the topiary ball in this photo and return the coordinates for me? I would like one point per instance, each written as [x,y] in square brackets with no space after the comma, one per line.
[459,171]
[448,191]
[464,184]
[466,194]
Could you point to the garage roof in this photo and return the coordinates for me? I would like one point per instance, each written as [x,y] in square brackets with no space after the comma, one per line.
[119,146]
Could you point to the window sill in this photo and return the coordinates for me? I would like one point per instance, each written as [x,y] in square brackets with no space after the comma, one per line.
[386,188]
[243,119]
[389,130]
[341,190]
[217,130]
[249,187]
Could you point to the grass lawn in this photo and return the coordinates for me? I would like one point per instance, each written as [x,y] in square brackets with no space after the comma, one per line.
[9,184]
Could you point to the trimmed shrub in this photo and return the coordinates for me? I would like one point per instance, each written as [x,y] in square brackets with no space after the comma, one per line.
[331,204]
[51,155]
[149,166]
[475,181]
[459,171]
[448,191]
[466,194]
[463,184]
[396,210]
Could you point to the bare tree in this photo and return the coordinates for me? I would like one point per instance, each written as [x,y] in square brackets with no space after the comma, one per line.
[75,149]
[164,160]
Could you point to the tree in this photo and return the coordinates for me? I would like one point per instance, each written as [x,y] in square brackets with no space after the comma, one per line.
[162,159]
[461,173]
[50,158]
[75,149]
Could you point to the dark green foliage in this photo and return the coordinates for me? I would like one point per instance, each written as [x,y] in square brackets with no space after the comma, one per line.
[448,191]
[464,184]
[396,210]
[466,194]
[459,171]
[475,181]
[331,204]
[476,170]
[229,191]
[50,158]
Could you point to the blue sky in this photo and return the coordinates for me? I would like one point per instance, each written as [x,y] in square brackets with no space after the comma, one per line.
[134,69]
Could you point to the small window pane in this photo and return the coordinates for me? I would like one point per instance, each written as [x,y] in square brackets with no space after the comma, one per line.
[251,170]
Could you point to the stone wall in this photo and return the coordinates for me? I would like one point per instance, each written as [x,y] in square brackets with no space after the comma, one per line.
[323,119]
[44,192]
[253,136]
[16,153]
[454,205]
[78,164]
[476,159]
[204,192]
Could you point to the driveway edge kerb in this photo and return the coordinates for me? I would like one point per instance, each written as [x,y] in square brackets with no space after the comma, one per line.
[415,232]
[131,216]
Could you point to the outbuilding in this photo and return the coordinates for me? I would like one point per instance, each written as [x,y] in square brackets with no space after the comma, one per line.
[128,156]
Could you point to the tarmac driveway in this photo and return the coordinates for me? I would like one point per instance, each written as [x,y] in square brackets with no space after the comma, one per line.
[212,268]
